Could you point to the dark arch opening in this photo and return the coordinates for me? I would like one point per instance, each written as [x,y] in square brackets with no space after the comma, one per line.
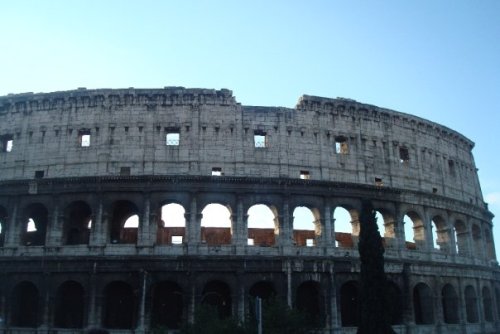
[423,304]
[35,225]
[309,302]
[349,304]
[69,306]
[167,305]
[263,290]
[77,223]
[122,212]
[471,304]
[450,304]
[119,306]
[25,300]
[218,295]
[394,303]
[487,305]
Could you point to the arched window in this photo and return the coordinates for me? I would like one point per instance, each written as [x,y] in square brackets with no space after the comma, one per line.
[477,240]
[167,305]
[69,305]
[261,226]
[35,225]
[414,231]
[449,300]
[77,223]
[305,227]
[216,225]
[217,294]
[119,306]
[24,305]
[172,227]
[461,236]
[471,304]
[124,223]
[309,301]
[344,228]
[423,304]
[487,305]
[440,235]
[349,304]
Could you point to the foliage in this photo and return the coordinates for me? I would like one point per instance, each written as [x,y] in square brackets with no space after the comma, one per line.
[207,321]
[374,306]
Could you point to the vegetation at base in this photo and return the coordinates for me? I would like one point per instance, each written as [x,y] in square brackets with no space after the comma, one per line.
[277,318]
[374,306]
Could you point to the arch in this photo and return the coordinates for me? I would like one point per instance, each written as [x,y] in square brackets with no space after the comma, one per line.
[77,223]
[309,301]
[35,225]
[262,227]
[172,225]
[477,240]
[394,303]
[25,305]
[119,306]
[69,305]
[488,242]
[124,222]
[349,304]
[461,237]
[218,295]
[414,231]
[346,225]
[168,305]
[440,235]
[471,304]
[3,224]
[449,299]
[386,224]
[216,225]
[423,304]
[487,304]
[263,290]
[305,227]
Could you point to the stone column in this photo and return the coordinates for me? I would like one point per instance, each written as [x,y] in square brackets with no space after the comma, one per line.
[240,225]
[328,237]
[92,320]
[429,240]
[99,230]
[142,305]
[193,224]
[241,300]
[334,312]
[54,227]
[286,235]
[145,237]
[399,228]
[12,237]
[288,272]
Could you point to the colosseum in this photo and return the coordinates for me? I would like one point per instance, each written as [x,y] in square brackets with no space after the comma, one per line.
[127,209]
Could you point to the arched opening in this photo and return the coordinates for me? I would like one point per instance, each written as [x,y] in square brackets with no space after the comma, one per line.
[167,305]
[349,304]
[440,237]
[309,301]
[488,240]
[77,223]
[305,227]
[265,291]
[477,240]
[119,306]
[344,227]
[487,305]
[172,227]
[394,303]
[449,299]
[471,304]
[3,223]
[385,225]
[24,302]
[216,225]
[35,225]
[124,223]
[414,231]
[461,236]
[262,228]
[218,295]
[69,305]
[423,304]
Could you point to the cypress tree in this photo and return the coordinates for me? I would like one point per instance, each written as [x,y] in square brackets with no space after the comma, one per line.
[374,310]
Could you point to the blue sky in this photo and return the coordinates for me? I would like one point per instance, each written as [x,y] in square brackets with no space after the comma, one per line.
[439,60]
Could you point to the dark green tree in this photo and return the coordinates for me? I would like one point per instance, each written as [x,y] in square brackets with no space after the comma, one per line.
[374,305]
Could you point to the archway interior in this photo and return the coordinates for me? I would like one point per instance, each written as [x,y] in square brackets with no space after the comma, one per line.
[119,306]
[423,304]
[216,226]
[69,305]
[77,224]
[305,229]
[167,305]
[124,223]
[24,303]
[343,228]
[349,304]
[216,294]
[471,305]
[35,225]
[309,302]
[172,227]
[450,304]
[261,226]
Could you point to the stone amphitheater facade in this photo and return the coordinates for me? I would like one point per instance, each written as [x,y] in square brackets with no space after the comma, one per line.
[76,165]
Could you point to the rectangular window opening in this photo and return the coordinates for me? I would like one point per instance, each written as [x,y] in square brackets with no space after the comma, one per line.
[177,240]
[304,175]
[451,167]
[172,138]
[341,146]
[84,137]
[216,171]
[125,171]
[39,174]
[7,143]
[378,182]
[250,242]
[404,155]
[309,242]
[260,139]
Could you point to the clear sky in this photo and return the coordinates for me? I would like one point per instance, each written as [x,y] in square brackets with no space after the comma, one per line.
[439,60]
